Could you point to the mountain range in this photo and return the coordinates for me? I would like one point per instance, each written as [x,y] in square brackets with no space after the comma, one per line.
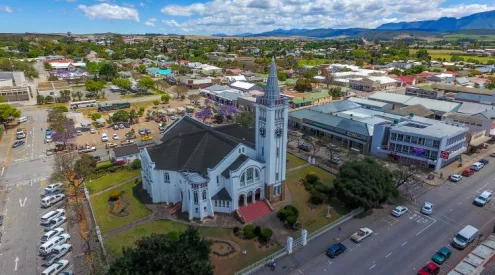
[477,21]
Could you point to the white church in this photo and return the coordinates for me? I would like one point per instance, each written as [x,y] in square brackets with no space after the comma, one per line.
[204,170]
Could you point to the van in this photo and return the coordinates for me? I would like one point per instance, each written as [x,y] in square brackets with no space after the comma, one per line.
[477,166]
[47,201]
[45,220]
[104,137]
[23,119]
[466,236]
[483,198]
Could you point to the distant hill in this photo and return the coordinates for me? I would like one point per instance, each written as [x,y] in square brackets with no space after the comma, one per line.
[482,20]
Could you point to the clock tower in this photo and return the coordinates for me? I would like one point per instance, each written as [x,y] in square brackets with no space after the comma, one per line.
[272,111]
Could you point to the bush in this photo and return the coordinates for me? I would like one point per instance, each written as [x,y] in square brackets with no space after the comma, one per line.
[311,178]
[112,169]
[293,210]
[317,198]
[236,230]
[103,167]
[289,210]
[136,164]
[114,195]
[249,232]
[120,163]
[291,220]
[266,234]
[320,187]
[257,230]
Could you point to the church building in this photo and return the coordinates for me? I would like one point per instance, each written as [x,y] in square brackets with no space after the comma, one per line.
[204,170]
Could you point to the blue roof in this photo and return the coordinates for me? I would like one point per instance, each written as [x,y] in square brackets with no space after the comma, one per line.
[475,97]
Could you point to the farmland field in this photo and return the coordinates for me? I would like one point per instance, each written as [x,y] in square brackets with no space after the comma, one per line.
[447,55]
[453,37]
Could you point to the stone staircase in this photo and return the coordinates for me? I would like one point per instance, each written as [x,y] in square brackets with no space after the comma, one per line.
[254,211]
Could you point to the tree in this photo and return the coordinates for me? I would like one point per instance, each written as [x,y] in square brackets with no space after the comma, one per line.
[194,98]
[94,86]
[161,84]
[490,82]
[329,78]
[422,54]
[77,94]
[294,136]
[245,118]
[218,119]
[120,116]
[140,68]
[64,168]
[95,116]
[315,144]
[64,131]
[180,91]
[40,99]
[173,254]
[48,99]
[156,102]
[282,76]
[8,113]
[133,116]
[83,167]
[108,72]
[65,94]
[124,84]
[303,85]
[165,98]
[335,92]
[47,66]
[147,82]
[204,114]
[404,173]
[2,99]
[364,183]
[136,164]
[228,111]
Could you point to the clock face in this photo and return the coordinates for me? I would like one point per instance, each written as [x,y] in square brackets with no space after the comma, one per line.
[278,132]
[263,131]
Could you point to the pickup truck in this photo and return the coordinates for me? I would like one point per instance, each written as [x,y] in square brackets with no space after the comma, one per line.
[87,149]
[57,253]
[21,133]
[361,234]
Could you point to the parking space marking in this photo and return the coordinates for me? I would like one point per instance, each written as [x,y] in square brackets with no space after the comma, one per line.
[434,221]
[404,243]
[388,255]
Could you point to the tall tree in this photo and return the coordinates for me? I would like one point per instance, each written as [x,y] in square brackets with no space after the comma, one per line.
[490,83]
[180,91]
[165,98]
[64,132]
[94,86]
[108,72]
[171,254]
[204,114]
[8,113]
[120,116]
[303,85]
[194,98]
[147,82]
[245,118]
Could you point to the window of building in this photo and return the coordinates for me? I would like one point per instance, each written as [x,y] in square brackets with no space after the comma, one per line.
[400,137]
[398,148]
[262,150]
[414,140]
[223,203]
[228,204]
[204,208]
[278,152]
[407,139]
[249,175]
[421,141]
[243,149]
[277,190]
[218,180]
[429,142]
[276,176]
[256,174]
[436,143]
[243,179]
[216,204]
[204,195]
[195,197]
[167,178]
[197,210]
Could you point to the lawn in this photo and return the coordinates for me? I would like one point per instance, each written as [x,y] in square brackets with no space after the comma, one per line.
[294,161]
[312,218]
[447,55]
[110,179]
[311,62]
[108,222]
[222,266]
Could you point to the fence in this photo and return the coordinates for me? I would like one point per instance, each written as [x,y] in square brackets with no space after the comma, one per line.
[98,232]
[297,243]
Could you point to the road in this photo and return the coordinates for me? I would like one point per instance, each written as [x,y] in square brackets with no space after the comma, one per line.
[402,245]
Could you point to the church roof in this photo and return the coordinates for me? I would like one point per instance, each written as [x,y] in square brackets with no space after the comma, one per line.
[191,145]
[236,164]
[242,134]
[222,195]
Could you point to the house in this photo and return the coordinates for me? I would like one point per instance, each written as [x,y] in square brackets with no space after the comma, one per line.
[127,153]
[373,83]
[407,80]
[443,77]
[205,170]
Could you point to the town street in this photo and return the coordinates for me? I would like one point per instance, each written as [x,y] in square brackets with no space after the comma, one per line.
[402,245]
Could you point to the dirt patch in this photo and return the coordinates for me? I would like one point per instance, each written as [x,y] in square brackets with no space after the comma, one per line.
[120,207]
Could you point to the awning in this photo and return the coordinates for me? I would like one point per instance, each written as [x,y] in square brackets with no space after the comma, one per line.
[479,141]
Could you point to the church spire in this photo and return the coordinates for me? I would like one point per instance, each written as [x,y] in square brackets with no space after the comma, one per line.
[272,90]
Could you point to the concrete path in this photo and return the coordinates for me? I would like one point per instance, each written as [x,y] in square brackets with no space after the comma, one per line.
[114,186]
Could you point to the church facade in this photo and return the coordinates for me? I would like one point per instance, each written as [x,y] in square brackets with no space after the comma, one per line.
[206,170]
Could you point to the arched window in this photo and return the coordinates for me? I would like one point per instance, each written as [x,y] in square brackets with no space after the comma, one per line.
[243,179]
[250,175]
[195,197]
[256,174]
[204,195]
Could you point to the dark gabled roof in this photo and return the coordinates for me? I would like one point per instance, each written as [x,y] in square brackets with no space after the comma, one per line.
[191,145]
[238,162]
[222,195]
[242,134]
[126,150]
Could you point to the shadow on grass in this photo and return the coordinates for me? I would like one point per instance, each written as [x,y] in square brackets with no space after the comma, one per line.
[140,194]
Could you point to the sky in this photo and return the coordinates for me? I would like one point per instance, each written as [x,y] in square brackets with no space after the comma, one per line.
[219,16]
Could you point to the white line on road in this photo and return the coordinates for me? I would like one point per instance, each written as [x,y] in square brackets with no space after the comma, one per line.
[372,266]
[5,213]
[16,261]
[22,203]
[2,171]
[482,187]
[459,203]
[451,210]
[300,272]
[434,221]
[404,243]
[388,255]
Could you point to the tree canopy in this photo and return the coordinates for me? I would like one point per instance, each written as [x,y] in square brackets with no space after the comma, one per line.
[7,112]
[303,85]
[171,254]
[120,116]
[245,118]
[147,83]
[364,183]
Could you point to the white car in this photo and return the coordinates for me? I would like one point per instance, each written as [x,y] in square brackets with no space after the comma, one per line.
[455,178]
[54,223]
[399,211]
[92,131]
[104,137]
[79,133]
[483,198]
[51,234]
[427,208]
[55,268]
[53,188]
[115,137]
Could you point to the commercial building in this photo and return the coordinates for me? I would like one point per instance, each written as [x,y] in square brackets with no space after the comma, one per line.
[424,142]
[424,91]
[14,87]
[372,104]
[373,83]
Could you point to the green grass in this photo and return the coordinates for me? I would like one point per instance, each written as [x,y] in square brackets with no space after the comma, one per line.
[103,163]
[312,219]
[453,37]
[109,222]
[110,179]
[115,244]
[447,55]
[294,161]
[311,62]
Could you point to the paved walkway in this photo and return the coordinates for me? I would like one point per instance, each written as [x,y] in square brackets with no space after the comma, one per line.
[114,186]
[298,167]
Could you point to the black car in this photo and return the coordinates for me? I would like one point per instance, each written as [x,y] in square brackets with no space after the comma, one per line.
[484,161]
[336,249]
[147,131]
[17,143]
[303,147]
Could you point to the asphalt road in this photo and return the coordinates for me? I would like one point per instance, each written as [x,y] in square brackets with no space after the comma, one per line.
[402,245]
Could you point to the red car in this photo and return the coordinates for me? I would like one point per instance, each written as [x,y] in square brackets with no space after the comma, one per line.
[429,269]
[467,172]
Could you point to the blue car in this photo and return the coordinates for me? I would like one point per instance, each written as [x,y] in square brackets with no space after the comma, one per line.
[17,143]
[336,249]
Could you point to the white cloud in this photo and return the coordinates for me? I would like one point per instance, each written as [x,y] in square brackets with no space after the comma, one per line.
[6,9]
[151,22]
[238,16]
[108,11]
[141,4]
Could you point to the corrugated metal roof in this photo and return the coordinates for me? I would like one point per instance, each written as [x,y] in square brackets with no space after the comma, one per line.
[475,97]
[473,108]
[368,102]
[390,97]
[337,106]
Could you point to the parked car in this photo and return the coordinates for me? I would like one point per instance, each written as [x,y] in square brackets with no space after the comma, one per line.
[484,161]
[79,133]
[304,147]
[477,166]
[361,234]
[467,172]
[67,272]
[121,126]
[492,154]
[110,145]
[92,131]
[1,220]
[147,131]
[146,138]
[51,234]
[55,223]
[57,253]
[455,178]
[441,255]
[18,143]
[115,127]
[336,249]
[427,208]
[429,269]
[55,268]
[399,211]
[104,137]
[142,132]
[51,200]
[115,137]
[53,188]
[483,198]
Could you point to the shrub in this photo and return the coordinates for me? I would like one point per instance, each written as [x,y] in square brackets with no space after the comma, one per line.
[236,230]
[136,164]
[103,167]
[266,234]
[289,210]
[114,195]
[291,220]
[257,230]
[112,169]
[311,178]
[317,198]
[249,232]
[120,163]
[320,187]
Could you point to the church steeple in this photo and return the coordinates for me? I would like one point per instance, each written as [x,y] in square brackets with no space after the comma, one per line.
[272,90]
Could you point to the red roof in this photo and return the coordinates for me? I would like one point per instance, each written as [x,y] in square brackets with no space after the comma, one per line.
[60,61]
[424,74]
[451,72]
[407,79]
[183,61]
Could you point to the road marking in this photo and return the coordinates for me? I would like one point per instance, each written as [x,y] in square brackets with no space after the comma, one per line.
[300,272]
[22,203]
[451,209]
[2,171]
[404,243]
[388,255]
[482,187]
[434,221]
[329,262]
[372,266]
[5,213]
[16,261]
[459,203]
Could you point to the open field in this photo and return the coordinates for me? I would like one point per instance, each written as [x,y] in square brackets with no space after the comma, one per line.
[110,179]
[453,37]
[447,55]
[312,62]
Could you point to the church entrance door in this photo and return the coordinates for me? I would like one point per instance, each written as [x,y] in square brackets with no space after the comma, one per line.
[241,200]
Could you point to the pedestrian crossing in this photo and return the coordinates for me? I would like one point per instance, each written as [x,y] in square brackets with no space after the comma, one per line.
[20,185]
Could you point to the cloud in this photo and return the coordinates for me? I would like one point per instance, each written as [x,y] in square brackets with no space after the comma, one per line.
[141,4]
[150,22]
[6,9]
[108,11]
[238,16]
